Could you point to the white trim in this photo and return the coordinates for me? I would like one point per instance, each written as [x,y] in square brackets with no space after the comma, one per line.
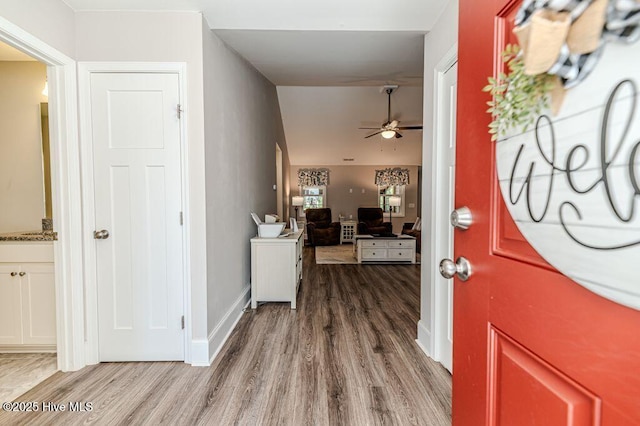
[85,69]
[65,187]
[222,331]
[424,339]
[27,349]
[438,322]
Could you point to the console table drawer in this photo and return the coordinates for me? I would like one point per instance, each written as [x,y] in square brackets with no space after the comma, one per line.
[374,253]
[382,244]
[401,254]
[401,244]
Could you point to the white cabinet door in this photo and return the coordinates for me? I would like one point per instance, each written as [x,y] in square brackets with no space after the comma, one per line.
[38,304]
[136,153]
[10,305]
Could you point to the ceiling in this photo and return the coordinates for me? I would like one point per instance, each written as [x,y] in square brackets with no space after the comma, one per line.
[329,60]
[321,125]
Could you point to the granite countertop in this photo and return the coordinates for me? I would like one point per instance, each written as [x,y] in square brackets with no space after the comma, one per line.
[30,236]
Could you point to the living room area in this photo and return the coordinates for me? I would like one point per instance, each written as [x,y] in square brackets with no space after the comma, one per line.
[349,179]
[358,214]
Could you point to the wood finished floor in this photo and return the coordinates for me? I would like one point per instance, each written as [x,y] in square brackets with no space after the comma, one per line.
[347,356]
[21,372]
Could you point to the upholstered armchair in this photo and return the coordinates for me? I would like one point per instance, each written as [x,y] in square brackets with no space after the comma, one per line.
[408,229]
[320,230]
[371,221]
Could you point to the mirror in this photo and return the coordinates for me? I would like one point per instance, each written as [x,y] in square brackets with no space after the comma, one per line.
[46,158]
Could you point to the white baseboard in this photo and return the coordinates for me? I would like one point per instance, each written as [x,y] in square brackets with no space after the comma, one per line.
[202,348]
[12,349]
[223,330]
[424,339]
[200,353]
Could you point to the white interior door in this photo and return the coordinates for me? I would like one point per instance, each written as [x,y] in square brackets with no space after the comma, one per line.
[137,178]
[445,197]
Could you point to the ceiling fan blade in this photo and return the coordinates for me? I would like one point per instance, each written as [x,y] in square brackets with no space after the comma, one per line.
[373,134]
[398,135]
[410,128]
[369,128]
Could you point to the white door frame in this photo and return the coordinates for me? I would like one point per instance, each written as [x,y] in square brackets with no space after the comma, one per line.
[280,186]
[65,188]
[438,314]
[85,69]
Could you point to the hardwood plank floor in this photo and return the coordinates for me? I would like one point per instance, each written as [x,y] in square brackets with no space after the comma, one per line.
[20,372]
[347,356]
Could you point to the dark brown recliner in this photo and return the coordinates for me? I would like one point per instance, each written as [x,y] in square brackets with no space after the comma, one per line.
[417,234]
[320,230]
[371,221]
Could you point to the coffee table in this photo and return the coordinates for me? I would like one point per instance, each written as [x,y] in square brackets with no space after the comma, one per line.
[385,249]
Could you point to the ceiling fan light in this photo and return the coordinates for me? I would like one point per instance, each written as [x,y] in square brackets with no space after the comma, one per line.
[388,134]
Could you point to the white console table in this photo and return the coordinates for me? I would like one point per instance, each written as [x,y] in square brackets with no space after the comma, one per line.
[385,249]
[276,269]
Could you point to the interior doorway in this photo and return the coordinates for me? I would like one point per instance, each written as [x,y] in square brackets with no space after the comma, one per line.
[66,258]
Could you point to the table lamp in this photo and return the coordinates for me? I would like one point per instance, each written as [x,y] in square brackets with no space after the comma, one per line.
[296,202]
[394,201]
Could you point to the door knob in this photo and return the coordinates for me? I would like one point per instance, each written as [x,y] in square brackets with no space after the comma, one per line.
[101,235]
[461,268]
[461,218]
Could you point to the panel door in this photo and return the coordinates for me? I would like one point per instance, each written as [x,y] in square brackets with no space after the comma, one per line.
[136,149]
[10,305]
[531,346]
[39,304]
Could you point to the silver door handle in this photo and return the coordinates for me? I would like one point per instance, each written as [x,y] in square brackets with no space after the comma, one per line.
[461,218]
[101,235]
[461,268]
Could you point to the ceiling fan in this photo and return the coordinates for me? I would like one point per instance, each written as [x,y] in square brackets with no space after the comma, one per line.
[390,128]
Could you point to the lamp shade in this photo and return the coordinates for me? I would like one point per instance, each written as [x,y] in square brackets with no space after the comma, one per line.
[297,201]
[394,201]
[388,134]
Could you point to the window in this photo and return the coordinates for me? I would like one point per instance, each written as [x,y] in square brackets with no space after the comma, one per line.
[384,192]
[315,197]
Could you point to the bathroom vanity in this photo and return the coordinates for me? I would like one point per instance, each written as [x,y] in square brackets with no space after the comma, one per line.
[27,293]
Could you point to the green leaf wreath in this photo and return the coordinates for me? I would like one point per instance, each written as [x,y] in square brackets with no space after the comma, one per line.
[517,98]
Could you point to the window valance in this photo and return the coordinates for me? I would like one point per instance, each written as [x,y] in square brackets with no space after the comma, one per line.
[396,176]
[313,177]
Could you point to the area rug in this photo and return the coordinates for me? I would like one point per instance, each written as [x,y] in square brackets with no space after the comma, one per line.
[337,255]
[341,255]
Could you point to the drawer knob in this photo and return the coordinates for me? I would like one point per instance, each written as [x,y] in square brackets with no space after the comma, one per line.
[22,274]
[13,274]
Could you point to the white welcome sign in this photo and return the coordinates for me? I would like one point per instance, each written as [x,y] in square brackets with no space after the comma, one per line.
[572,183]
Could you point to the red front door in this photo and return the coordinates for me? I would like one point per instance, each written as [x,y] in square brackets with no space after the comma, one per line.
[531,347]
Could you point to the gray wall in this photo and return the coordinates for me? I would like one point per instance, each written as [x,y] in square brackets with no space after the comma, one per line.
[50,20]
[345,191]
[242,126]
